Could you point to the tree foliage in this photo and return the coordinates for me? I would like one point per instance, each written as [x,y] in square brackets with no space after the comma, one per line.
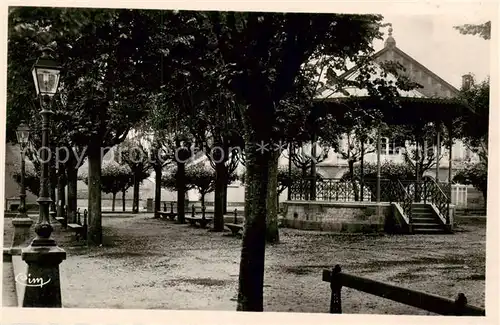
[388,170]
[473,128]
[475,174]
[31,178]
[201,178]
[115,177]
[483,30]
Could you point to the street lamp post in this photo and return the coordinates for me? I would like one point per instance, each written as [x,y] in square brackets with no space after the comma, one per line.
[22,223]
[43,256]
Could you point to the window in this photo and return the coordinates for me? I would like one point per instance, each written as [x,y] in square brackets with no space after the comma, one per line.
[383,146]
[391,146]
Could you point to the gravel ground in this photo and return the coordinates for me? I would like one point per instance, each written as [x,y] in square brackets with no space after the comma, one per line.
[156,264]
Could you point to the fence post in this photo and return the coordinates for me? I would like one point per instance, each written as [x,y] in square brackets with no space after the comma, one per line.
[235,216]
[336,287]
[85,214]
[192,211]
[172,207]
[65,216]
[165,206]
[460,304]
[78,220]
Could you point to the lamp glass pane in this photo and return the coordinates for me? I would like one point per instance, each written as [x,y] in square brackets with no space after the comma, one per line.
[48,80]
[22,135]
[33,72]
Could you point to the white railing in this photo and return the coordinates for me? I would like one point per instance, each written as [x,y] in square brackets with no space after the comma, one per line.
[459,195]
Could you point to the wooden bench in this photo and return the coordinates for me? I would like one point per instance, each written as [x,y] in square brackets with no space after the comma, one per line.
[235,228]
[414,298]
[164,214]
[191,220]
[78,228]
[203,220]
[62,221]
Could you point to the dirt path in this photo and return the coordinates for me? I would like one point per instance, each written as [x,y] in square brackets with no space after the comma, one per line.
[156,264]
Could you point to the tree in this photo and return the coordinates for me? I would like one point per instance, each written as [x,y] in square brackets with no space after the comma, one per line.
[483,30]
[359,139]
[473,128]
[158,159]
[114,178]
[31,178]
[202,178]
[170,180]
[475,174]
[389,170]
[417,142]
[263,54]
[134,154]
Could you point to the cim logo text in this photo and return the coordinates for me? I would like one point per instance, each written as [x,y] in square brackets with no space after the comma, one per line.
[28,281]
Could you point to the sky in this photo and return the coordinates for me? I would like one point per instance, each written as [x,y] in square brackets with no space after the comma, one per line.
[433,42]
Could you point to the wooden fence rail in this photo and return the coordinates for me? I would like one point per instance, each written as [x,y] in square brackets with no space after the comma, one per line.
[422,300]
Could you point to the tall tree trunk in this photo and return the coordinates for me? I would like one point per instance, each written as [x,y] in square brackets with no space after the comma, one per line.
[53,188]
[417,171]
[313,166]
[181,191]
[61,198]
[272,232]
[202,198]
[224,197]
[123,200]
[72,174]
[113,203]
[362,167]
[355,188]
[251,276]
[258,119]
[289,192]
[157,207]
[94,216]
[220,183]
[305,178]
[53,180]
[135,201]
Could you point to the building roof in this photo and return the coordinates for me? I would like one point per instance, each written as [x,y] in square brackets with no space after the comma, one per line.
[432,85]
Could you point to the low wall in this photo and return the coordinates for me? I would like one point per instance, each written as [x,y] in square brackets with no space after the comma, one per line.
[337,216]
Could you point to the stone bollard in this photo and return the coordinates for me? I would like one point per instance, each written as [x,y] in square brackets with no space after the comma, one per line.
[149,205]
[460,304]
